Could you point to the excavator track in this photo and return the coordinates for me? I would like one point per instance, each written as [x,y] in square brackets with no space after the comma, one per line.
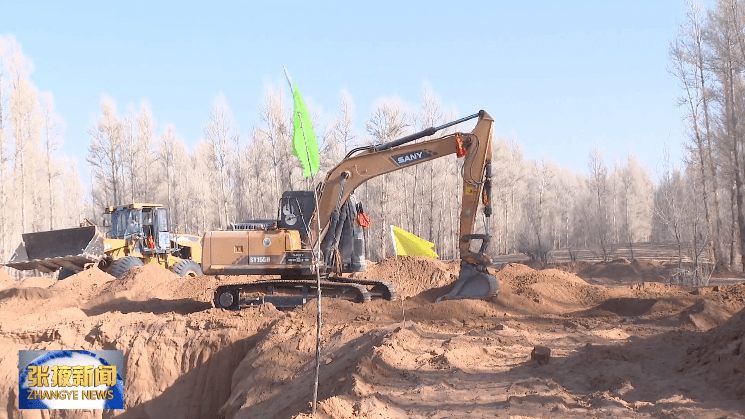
[378,289]
[291,293]
[285,293]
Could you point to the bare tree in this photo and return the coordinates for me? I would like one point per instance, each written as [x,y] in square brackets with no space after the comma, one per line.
[687,56]
[144,179]
[105,156]
[723,36]
[165,156]
[343,128]
[429,115]
[277,131]
[25,123]
[598,183]
[672,201]
[51,125]
[388,122]
[4,218]
[637,205]
[220,133]
[537,212]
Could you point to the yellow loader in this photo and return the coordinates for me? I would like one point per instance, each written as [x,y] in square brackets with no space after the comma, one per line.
[137,234]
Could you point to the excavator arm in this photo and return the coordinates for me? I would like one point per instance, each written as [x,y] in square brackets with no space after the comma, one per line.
[373,161]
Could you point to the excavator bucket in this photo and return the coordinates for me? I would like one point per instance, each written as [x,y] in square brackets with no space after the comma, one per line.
[48,251]
[474,282]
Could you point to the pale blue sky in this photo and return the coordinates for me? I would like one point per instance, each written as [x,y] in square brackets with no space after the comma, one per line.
[559,77]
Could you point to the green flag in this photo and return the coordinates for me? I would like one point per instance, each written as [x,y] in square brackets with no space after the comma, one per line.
[304,145]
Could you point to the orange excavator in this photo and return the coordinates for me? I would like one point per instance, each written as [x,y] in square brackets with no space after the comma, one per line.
[330,219]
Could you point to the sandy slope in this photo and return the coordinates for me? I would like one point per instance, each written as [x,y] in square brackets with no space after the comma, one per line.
[643,349]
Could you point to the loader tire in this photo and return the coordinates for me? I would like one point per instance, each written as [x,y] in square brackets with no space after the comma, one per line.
[186,267]
[65,273]
[120,266]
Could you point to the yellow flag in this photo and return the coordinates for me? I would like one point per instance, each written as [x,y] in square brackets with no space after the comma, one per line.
[407,244]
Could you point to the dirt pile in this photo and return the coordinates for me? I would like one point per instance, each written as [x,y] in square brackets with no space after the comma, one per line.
[621,351]
[85,284]
[547,291]
[730,295]
[5,279]
[719,357]
[623,272]
[141,283]
[36,282]
[412,275]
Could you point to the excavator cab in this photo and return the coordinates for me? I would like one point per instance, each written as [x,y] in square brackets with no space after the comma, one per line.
[345,234]
[295,210]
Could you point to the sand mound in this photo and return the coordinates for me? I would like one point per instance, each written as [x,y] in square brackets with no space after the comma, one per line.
[17,301]
[454,311]
[733,296]
[619,268]
[200,288]
[151,289]
[550,290]
[657,289]
[706,315]
[412,275]
[35,281]
[141,283]
[85,284]
[720,356]
[28,293]
[5,280]
[571,267]
[646,266]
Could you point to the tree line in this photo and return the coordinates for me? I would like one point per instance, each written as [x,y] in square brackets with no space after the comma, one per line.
[39,189]
[704,200]
[538,206]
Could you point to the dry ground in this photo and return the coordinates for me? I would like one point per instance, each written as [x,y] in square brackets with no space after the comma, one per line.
[621,344]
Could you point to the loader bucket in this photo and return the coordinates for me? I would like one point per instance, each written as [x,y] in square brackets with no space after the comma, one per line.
[474,282]
[48,251]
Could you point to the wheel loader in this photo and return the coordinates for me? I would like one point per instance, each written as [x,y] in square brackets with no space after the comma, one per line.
[133,235]
[330,219]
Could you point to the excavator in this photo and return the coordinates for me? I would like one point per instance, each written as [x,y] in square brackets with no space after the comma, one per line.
[330,220]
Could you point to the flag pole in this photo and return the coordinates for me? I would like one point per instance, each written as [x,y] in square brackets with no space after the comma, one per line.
[316,254]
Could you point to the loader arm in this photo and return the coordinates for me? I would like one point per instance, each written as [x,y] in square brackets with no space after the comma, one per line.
[374,161]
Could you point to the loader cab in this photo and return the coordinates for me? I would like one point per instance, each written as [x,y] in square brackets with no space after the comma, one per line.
[145,224]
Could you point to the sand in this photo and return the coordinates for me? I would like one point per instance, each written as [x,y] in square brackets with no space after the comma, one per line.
[626,346]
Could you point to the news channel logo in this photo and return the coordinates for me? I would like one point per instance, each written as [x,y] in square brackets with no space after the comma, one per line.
[73,379]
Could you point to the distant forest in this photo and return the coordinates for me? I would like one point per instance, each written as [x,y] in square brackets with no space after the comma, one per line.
[538,206]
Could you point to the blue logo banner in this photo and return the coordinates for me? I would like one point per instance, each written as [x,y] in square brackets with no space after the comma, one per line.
[70,379]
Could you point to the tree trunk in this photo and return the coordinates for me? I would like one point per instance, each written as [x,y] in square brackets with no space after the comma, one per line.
[738,173]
